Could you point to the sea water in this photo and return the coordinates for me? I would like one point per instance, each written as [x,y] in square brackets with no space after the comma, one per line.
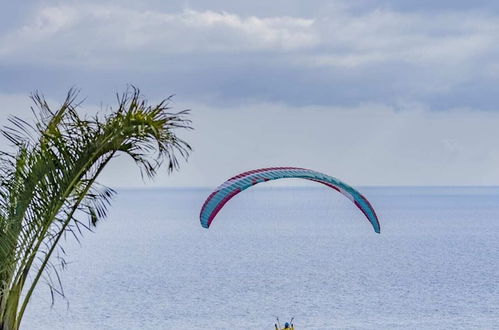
[306,253]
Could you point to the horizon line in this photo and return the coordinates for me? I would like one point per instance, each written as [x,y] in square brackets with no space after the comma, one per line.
[300,186]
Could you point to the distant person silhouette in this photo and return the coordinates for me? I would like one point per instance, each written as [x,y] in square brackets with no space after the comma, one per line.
[286,326]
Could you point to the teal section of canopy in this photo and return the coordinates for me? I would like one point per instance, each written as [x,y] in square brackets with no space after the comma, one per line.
[215,202]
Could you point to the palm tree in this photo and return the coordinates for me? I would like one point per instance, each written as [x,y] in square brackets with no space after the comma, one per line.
[48,185]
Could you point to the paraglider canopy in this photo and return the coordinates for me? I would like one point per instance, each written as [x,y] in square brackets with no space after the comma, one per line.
[240,182]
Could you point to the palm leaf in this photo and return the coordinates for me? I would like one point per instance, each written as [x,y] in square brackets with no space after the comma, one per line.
[49,185]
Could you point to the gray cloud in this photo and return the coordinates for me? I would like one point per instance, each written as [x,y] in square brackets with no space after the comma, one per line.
[375,92]
[337,56]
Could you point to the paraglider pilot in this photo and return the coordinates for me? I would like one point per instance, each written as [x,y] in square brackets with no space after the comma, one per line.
[286,326]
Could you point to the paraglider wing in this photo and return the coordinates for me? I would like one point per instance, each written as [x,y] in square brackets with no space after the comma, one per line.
[217,199]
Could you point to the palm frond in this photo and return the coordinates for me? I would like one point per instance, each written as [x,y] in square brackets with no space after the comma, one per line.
[49,184]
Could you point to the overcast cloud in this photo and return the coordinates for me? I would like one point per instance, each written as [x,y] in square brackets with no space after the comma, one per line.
[375,92]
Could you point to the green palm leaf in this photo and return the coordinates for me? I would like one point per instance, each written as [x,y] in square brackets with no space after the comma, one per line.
[48,186]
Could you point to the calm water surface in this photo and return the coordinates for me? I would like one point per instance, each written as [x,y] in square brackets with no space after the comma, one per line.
[302,252]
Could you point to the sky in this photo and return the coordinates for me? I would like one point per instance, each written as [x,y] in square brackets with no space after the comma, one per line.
[378,92]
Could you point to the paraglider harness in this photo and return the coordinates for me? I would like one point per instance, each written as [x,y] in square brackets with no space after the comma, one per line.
[288,325]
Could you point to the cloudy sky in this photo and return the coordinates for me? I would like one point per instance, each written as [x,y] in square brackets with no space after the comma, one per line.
[378,92]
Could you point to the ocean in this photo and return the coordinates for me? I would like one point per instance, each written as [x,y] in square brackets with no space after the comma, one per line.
[304,252]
